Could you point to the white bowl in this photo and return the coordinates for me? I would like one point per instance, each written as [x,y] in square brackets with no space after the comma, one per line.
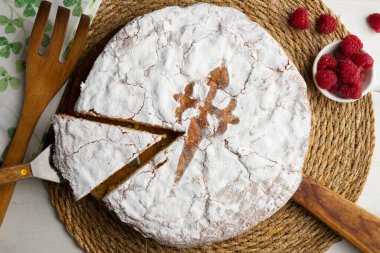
[368,85]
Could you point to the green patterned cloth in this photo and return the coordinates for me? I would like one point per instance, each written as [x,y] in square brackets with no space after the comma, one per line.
[16,22]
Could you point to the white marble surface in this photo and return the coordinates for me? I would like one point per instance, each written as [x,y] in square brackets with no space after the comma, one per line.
[31,224]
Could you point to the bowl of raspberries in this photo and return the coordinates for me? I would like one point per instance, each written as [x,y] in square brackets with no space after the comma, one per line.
[343,71]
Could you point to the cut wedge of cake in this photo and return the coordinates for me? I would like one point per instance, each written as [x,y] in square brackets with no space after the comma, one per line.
[87,152]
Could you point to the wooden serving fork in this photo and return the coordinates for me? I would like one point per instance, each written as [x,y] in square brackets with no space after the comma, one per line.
[45,75]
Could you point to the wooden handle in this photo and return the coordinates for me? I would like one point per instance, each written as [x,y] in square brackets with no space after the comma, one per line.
[15,173]
[348,220]
[17,150]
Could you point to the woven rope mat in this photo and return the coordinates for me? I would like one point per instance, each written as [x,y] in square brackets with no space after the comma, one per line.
[342,142]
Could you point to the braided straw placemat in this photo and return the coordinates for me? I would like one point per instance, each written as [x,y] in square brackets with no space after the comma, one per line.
[342,140]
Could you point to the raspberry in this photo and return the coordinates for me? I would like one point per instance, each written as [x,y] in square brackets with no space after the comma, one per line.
[339,56]
[349,72]
[326,78]
[352,91]
[363,61]
[374,21]
[335,88]
[326,24]
[357,85]
[299,19]
[361,78]
[327,61]
[351,45]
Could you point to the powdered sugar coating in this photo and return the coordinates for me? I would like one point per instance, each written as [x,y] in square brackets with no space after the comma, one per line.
[235,179]
[87,153]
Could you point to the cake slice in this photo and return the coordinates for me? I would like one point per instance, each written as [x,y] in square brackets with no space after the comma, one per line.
[87,152]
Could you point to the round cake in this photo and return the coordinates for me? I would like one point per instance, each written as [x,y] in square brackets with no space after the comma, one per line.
[221,80]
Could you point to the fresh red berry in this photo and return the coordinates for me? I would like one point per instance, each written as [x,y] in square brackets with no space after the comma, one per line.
[361,78]
[349,72]
[326,78]
[351,45]
[374,21]
[300,19]
[339,56]
[357,85]
[326,24]
[327,61]
[335,88]
[363,61]
[352,91]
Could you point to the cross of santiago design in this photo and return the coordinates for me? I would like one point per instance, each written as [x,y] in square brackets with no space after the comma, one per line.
[217,79]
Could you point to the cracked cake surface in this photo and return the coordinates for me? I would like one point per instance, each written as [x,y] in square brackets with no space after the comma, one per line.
[86,152]
[220,78]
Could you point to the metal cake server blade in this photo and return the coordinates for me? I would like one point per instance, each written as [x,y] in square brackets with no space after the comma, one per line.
[42,168]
